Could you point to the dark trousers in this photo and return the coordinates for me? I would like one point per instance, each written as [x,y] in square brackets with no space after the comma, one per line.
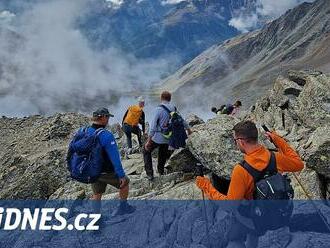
[163,155]
[128,130]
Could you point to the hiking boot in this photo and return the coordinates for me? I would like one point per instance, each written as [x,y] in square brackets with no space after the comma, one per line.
[124,208]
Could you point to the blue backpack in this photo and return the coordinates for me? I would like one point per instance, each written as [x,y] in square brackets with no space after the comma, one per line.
[85,159]
[175,131]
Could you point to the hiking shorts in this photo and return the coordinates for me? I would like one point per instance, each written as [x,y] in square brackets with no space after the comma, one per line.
[100,185]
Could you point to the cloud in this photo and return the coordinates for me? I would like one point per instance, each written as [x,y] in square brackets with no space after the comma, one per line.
[172,1]
[245,22]
[274,9]
[6,18]
[114,3]
[52,67]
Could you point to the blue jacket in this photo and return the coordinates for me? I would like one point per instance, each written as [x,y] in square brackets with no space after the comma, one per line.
[108,142]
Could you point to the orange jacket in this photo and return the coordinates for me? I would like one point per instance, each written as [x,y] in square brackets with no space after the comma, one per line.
[242,185]
[133,115]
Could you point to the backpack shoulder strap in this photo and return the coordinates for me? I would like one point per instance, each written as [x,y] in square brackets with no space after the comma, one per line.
[99,131]
[252,171]
[271,167]
[82,130]
[166,108]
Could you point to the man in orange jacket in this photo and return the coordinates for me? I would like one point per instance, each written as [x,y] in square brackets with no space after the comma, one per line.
[241,186]
[131,120]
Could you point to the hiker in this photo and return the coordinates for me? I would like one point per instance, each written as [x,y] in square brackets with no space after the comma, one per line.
[112,170]
[131,120]
[218,111]
[158,135]
[237,106]
[242,186]
[232,109]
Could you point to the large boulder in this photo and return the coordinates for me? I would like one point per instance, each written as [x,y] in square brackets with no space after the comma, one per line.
[212,144]
[182,191]
[314,101]
[134,165]
[72,190]
[181,160]
[275,109]
[303,102]
[297,107]
[308,180]
[34,177]
[317,151]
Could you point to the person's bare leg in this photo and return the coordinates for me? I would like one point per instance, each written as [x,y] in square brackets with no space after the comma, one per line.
[96,197]
[96,202]
[124,207]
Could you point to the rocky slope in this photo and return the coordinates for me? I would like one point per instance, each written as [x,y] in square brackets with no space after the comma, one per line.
[32,165]
[244,66]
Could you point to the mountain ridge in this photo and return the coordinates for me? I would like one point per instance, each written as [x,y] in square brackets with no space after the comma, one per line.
[239,66]
[150,29]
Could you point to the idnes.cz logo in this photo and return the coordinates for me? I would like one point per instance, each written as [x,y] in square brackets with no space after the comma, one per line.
[46,219]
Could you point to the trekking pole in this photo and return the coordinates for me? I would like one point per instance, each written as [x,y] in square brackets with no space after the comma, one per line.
[206,220]
[305,191]
[325,221]
[201,173]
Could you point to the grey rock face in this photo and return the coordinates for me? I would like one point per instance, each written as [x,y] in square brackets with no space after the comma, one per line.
[133,165]
[317,155]
[296,108]
[182,191]
[213,146]
[314,101]
[71,191]
[182,160]
[193,120]
[310,181]
[33,151]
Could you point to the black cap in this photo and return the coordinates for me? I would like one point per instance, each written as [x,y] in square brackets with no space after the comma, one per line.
[102,112]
